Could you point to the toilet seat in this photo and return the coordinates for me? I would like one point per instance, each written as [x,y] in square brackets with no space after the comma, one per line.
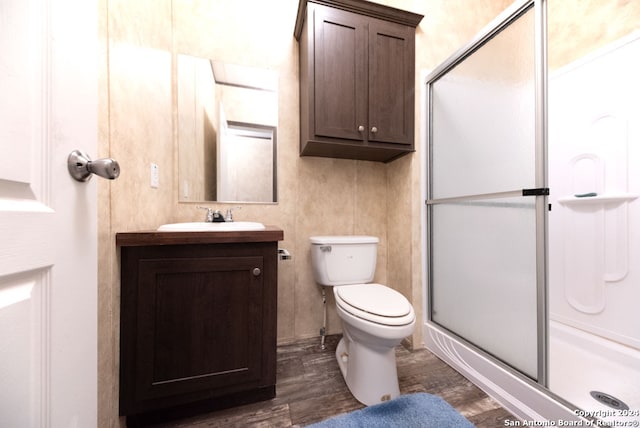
[376,303]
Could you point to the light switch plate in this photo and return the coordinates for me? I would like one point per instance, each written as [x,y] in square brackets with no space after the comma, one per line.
[185,189]
[155,176]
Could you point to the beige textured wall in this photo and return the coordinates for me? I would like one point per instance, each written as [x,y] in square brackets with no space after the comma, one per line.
[139,41]
[577,27]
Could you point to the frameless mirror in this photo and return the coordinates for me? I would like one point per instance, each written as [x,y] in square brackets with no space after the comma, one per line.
[227,132]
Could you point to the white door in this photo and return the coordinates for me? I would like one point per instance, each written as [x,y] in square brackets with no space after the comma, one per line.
[48,222]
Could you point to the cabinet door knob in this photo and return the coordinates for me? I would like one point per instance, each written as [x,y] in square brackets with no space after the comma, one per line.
[256,271]
[374,129]
[360,128]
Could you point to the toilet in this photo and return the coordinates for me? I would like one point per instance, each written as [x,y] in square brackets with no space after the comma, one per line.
[375,318]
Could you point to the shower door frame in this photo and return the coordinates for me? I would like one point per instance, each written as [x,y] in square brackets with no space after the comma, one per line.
[540,192]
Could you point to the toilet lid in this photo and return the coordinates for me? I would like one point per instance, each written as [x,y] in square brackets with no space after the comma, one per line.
[377,300]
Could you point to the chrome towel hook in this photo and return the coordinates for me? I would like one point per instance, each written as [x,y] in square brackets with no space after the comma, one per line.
[81,167]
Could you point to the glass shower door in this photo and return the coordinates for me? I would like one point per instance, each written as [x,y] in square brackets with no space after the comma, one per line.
[486,198]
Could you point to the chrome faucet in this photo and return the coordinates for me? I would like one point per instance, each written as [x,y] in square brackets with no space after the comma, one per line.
[213,216]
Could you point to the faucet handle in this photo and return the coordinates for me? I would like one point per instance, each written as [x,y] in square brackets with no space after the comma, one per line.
[229,215]
[210,213]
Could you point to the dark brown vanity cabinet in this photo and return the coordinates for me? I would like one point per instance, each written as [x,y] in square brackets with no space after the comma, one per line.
[198,325]
[357,71]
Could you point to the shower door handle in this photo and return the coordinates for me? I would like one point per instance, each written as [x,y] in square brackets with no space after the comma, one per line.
[538,191]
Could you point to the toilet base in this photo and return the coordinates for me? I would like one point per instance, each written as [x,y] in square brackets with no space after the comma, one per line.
[370,373]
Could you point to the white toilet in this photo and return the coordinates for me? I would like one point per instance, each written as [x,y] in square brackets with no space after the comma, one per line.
[375,318]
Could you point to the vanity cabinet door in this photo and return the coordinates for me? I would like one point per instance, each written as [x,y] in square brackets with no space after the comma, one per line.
[201,326]
[197,323]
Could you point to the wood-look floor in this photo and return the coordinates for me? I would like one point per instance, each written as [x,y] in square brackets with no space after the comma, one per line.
[310,388]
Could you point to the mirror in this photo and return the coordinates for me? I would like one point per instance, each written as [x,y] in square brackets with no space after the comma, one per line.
[227,132]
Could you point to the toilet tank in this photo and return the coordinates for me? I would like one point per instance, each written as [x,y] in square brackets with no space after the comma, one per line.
[342,260]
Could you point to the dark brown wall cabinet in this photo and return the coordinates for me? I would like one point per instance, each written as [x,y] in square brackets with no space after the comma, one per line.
[357,71]
[198,327]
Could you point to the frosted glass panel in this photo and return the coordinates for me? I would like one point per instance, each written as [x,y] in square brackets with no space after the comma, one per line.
[483,276]
[483,115]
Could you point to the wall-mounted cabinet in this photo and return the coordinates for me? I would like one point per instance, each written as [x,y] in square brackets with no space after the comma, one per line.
[357,72]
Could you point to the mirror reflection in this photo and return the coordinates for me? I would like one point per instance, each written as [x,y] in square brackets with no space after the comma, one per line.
[227,132]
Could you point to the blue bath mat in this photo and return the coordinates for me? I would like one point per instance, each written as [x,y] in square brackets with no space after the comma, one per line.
[420,410]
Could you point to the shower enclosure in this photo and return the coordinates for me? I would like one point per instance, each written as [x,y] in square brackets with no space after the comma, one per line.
[530,290]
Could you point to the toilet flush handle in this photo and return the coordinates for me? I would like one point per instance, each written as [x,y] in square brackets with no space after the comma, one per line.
[325,248]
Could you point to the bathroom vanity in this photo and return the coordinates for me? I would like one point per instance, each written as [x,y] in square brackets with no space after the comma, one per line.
[357,72]
[197,321]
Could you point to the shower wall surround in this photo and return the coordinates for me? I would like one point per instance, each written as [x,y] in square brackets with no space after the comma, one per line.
[139,40]
[593,243]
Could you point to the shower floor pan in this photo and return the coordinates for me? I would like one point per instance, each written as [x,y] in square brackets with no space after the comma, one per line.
[580,363]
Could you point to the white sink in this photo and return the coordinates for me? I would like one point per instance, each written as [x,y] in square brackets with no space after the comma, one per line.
[201,226]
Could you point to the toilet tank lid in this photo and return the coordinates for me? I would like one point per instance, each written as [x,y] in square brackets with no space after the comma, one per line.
[343,239]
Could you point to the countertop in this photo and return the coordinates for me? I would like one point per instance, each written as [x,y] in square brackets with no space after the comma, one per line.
[153,237]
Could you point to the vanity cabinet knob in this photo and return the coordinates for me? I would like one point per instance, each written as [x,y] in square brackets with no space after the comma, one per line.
[256,271]
[360,128]
[374,129]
